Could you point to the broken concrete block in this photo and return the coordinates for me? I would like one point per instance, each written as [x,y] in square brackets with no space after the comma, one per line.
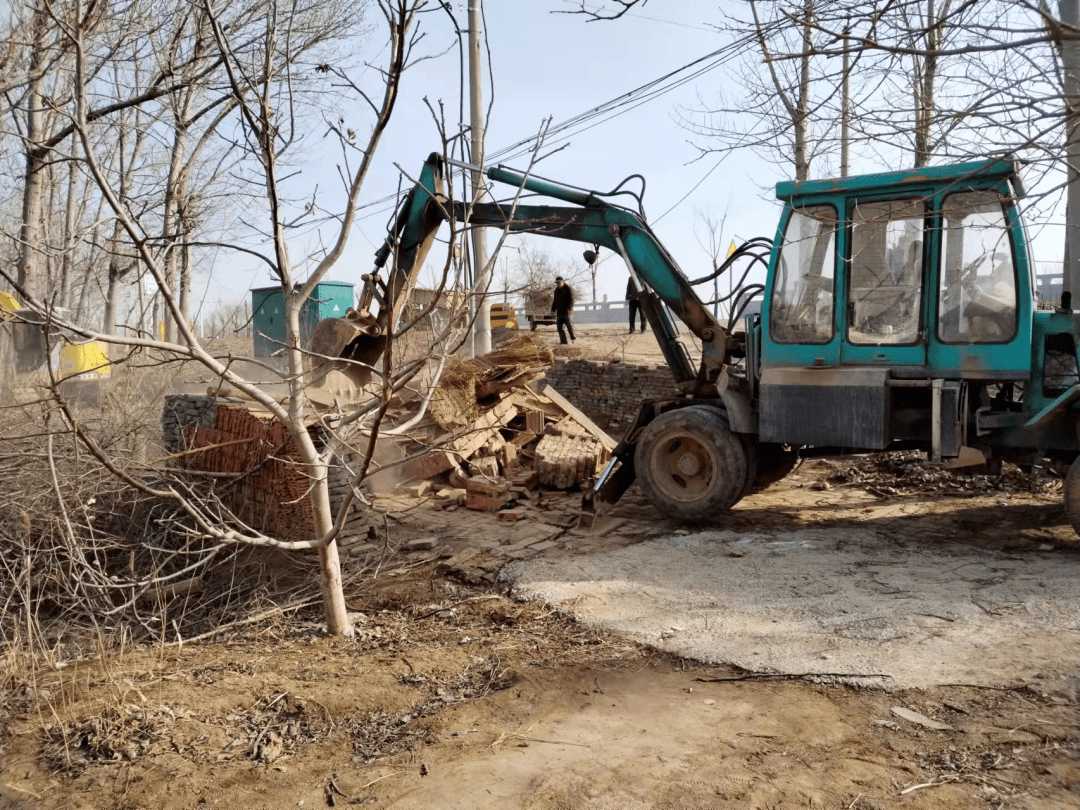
[430,465]
[450,495]
[422,544]
[418,489]
[511,515]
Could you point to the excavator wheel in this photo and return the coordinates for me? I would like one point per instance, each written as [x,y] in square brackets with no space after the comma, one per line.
[690,465]
[1072,495]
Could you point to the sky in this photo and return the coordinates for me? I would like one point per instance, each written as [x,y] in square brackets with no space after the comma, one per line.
[549,65]
[558,66]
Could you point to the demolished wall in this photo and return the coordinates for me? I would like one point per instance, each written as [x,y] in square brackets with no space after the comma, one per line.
[270,487]
[610,393]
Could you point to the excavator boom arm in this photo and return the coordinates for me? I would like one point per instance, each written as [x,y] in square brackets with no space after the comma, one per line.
[592,221]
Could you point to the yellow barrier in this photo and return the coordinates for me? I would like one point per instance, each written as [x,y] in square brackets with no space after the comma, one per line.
[88,360]
[8,302]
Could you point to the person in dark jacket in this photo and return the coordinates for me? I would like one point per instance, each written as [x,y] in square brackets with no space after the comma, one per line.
[635,305]
[562,304]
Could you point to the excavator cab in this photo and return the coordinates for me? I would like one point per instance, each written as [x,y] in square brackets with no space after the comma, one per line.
[890,299]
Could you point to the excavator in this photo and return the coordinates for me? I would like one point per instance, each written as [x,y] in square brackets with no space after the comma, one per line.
[897,312]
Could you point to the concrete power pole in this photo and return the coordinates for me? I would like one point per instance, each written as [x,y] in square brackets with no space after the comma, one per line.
[481,271]
[1069,12]
[845,105]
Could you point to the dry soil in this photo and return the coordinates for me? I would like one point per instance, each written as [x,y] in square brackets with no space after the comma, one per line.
[458,692]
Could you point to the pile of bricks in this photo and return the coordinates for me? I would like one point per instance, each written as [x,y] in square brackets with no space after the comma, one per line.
[521,435]
[485,495]
[532,437]
[610,393]
[566,460]
[184,411]
[270,490]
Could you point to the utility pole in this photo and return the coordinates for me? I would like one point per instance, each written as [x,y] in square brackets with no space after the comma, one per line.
[481,343]
[845,109]
[1069,12]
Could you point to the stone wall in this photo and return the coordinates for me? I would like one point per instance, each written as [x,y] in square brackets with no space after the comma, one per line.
[609,393]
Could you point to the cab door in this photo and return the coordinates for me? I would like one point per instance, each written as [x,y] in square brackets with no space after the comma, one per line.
[982,314]
[884,303]
[799,314]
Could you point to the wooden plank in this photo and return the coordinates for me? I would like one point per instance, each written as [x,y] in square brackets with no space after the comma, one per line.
[527,399]
[534,422]
[587,423]
[487,425]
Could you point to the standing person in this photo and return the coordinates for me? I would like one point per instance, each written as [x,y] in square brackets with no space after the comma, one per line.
[562,304]
[634,304]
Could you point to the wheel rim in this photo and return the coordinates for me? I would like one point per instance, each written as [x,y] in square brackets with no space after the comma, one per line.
[683,467]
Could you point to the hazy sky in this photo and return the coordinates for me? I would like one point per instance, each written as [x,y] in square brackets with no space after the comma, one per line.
[547,64]
[558,66]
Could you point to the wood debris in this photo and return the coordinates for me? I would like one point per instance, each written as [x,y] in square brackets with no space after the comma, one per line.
[508,432]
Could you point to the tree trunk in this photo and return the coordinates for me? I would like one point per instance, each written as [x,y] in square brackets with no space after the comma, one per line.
[185,280]
[337,621]
[112,293]
[923,79]
[67,270]
[802,117]
[34,179]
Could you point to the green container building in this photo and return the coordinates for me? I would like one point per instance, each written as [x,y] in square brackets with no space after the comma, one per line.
[330,299]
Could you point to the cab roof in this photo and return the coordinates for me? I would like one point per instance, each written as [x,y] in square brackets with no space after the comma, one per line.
[984,171]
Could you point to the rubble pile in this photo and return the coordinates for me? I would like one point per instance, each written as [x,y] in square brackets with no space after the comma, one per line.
[499,433]
[888,474]
[492,433]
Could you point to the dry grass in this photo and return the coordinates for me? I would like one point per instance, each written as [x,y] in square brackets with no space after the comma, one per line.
[518,358]
[454,400]
[93,563]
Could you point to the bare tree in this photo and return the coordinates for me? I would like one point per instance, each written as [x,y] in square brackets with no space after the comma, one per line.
[531,277]
[261,79]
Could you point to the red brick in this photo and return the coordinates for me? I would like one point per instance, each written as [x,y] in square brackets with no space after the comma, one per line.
[484,503]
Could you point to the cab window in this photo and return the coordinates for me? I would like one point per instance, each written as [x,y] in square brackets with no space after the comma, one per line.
[885,291]
[804,287]
[977,299]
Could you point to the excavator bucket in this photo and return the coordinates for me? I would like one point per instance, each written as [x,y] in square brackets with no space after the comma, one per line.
[350,345]
[353,345]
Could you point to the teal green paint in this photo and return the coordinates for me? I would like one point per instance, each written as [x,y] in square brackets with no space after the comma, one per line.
[548,188]
[931,184]
[975,174]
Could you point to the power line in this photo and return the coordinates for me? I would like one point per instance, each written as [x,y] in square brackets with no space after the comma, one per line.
[602,113]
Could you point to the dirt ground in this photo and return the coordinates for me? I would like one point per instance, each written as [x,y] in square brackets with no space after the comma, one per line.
[456,694]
